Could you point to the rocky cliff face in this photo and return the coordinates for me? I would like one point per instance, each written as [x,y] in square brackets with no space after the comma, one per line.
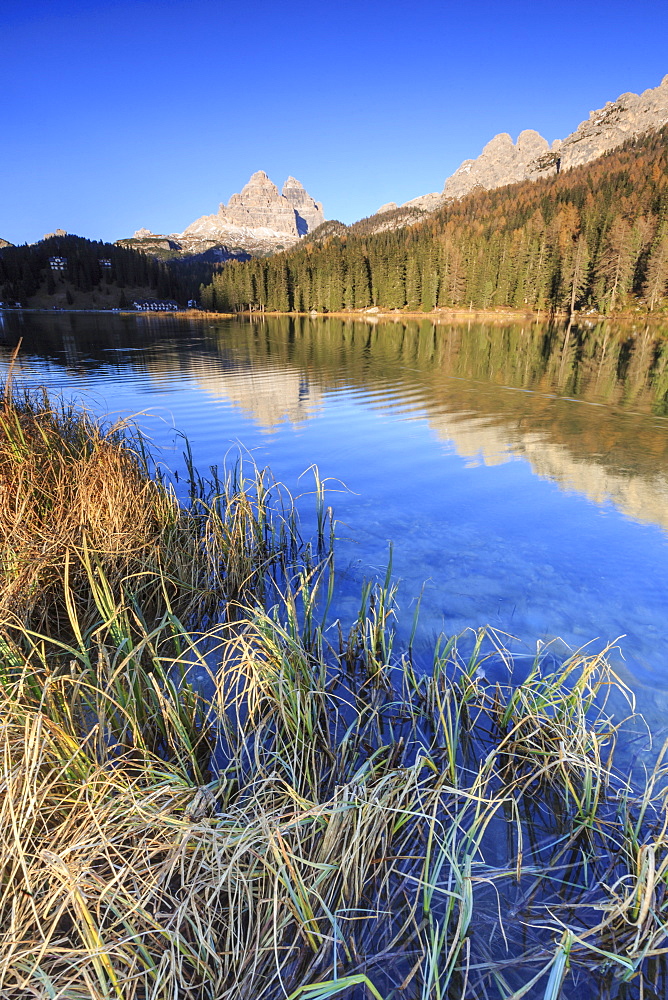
[503,161]
[5,243]
[212,230]
[309,213]
[261,206]
[259,220]
[629,116]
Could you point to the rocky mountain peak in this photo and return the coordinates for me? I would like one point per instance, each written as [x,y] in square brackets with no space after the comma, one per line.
[308,213]
[502,141]
[259,212]
[502,161]
[630,116]
[258,186]
[259,205]
[531,143]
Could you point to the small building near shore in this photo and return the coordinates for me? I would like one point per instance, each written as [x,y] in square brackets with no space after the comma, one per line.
[155,305]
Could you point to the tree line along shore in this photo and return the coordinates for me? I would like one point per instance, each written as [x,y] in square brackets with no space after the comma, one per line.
[593,238]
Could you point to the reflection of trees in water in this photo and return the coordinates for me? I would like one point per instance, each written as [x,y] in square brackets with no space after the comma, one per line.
[463,377]
[601,364]
[598,362]
[89,335]
[460,375]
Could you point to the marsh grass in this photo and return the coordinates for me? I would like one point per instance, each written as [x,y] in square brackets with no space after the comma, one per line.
[325,820]
[80,500]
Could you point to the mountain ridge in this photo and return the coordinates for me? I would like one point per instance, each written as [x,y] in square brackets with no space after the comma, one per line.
[259,220]
[593,239]
[503,161]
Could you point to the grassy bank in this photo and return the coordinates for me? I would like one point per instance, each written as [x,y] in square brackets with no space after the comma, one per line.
[212,788]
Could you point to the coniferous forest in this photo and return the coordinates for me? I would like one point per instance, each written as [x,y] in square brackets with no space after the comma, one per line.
[595,237]
[25,273]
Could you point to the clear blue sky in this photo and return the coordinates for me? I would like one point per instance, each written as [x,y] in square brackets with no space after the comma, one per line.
[135,113]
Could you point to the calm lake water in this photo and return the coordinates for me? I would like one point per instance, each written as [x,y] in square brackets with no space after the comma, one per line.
[524,481]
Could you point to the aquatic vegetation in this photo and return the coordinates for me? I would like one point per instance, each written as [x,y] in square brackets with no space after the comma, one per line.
[208,789]
[78,496]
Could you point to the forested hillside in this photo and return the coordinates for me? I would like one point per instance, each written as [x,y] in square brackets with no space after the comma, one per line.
[91,273]
[593,237]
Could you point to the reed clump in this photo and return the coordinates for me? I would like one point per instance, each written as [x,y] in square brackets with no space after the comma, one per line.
[254,804]
[78,497]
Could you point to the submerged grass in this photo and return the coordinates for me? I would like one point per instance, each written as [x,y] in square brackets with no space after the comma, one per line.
[207,793]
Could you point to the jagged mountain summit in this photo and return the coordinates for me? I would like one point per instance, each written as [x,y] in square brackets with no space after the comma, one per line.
[260,206]
[309,214]
[503,161]
[258,220]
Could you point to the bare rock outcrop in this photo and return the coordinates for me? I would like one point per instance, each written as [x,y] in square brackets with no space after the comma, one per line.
[502,161]
[425,202]
[308,212]
[630,116]
[260,219]
[5,243]
[259,205]
[211,230]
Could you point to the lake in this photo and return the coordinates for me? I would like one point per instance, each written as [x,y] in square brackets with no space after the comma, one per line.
[521,476]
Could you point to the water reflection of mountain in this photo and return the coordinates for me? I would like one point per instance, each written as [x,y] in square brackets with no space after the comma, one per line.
[589,415]
[171,350]
[269,395]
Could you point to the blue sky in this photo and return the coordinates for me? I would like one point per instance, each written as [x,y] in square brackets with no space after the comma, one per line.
[125,114]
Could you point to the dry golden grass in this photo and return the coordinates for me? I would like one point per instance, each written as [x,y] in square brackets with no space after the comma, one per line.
[69,487]
[287,832]
[76,494]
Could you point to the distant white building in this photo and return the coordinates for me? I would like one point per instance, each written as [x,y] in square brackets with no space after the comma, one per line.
[104,262]
[57,263]
[153,305]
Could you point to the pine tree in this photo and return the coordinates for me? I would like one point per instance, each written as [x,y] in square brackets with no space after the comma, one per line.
[657,269]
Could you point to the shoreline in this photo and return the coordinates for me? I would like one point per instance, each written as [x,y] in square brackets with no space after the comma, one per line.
[500,316]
